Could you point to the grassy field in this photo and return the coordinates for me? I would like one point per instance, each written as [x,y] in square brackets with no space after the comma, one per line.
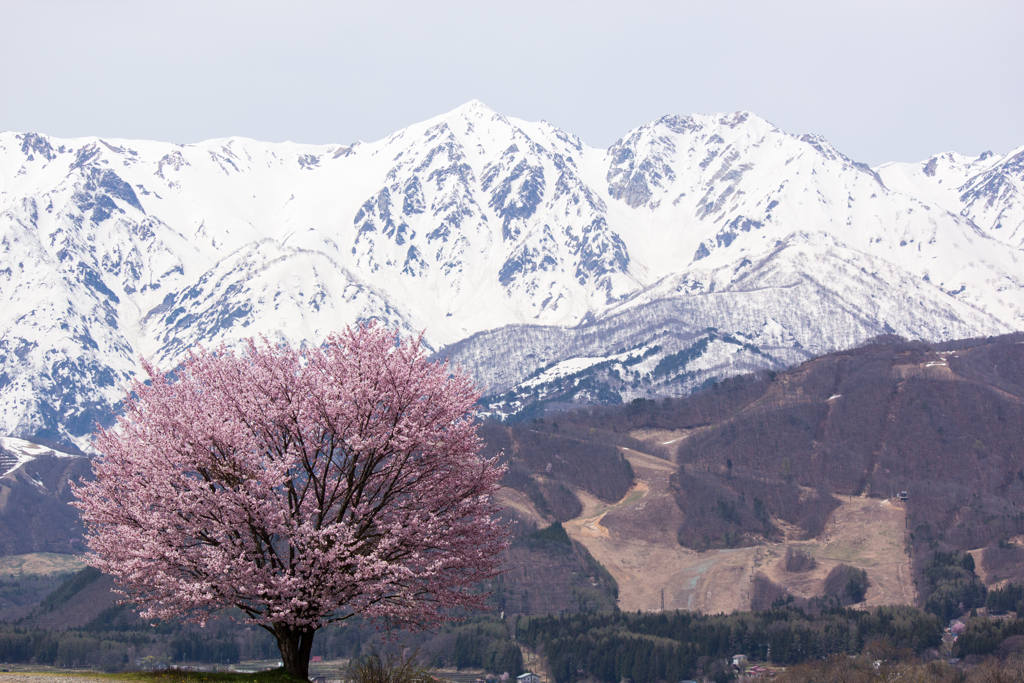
[40,563]
[167,676]
[172,676]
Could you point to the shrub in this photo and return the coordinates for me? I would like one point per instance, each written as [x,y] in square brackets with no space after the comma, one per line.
[390,668]
[847,584]
[799,561]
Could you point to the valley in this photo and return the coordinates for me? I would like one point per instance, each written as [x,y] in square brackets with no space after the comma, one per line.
[756,491]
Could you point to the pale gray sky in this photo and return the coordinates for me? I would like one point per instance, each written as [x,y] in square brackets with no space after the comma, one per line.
[883,81]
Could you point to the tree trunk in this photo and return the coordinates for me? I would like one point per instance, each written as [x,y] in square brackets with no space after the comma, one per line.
[295,644]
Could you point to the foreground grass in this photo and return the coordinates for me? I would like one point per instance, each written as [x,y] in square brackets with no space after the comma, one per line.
[175,676]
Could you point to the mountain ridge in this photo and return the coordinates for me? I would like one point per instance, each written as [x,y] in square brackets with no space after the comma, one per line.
[472,222]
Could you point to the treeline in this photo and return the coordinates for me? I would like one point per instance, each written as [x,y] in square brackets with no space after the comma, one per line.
[670,646]
[221,648]
[950,587]
[73,648]
[116,638]
[479,642]
[1009,598]
[717,402]
[984,636]
[485,644]
[482,642]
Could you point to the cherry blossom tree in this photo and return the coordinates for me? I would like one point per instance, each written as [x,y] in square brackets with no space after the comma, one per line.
[301,487]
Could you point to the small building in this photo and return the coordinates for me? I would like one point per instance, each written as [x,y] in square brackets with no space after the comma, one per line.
[528,678]
[739,661]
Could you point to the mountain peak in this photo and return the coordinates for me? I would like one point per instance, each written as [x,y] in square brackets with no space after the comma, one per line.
[470,222]
[463,120]
[472,109]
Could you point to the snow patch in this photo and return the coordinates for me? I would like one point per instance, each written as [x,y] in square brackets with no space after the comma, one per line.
[26,451]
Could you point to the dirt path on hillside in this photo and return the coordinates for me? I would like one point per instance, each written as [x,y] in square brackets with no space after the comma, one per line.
[518,501]
[635,539]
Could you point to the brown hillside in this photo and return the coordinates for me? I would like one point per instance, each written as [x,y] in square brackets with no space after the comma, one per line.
[703,497]
[769,460]
[78,610]
[35,515]
[636,540]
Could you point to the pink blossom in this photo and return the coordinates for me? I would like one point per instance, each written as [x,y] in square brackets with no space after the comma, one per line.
[300,486]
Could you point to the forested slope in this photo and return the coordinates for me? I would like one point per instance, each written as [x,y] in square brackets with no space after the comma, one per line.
[945,423]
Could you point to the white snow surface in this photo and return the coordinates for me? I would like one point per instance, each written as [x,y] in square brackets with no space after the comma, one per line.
[25,451]
[475,228]
[563,369]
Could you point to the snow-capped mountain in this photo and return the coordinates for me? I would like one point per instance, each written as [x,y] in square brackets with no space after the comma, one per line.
[988,190]
[719,241]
